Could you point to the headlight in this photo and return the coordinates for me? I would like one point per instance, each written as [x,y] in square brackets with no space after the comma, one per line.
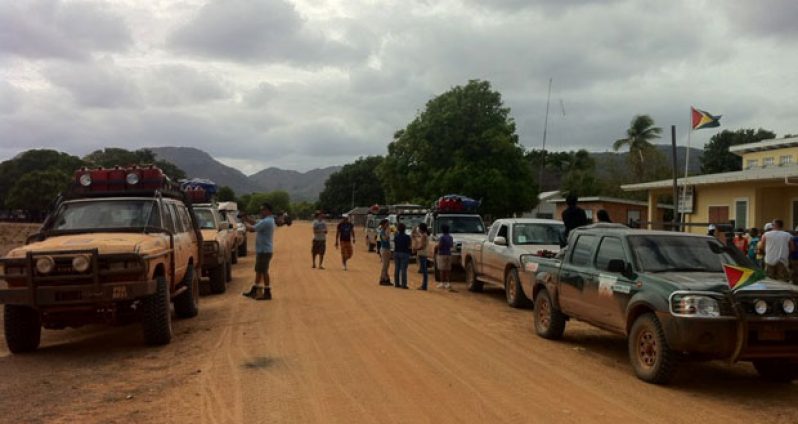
[760,307]
[696,306]
[45,265]
[788,305]
[85,180]
[132,178]
[81,263]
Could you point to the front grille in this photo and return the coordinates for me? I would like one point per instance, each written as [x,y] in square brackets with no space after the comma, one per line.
[774,301]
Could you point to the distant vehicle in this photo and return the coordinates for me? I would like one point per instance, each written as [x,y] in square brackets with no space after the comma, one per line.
[463,227]
[218,246]
[121,245]
[410,217]
[229,212]
[376,214]
[668,294]
[497,260]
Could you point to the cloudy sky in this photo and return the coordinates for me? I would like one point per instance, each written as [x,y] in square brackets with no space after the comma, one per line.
[308,83]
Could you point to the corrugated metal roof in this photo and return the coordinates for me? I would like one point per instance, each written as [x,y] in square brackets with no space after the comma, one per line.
[776,143]
[613,200]
[757,174]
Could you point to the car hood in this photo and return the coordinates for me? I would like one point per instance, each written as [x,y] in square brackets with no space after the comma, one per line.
[209,234]
[535,248]
[105,243]
[713,281]
[468,237]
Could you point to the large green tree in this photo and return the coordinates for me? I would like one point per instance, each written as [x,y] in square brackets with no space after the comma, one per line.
[464,141]
[356,182]
[36,190]
[639,137]
[280,201]
[112,156]
[566,171]
[717,157]
[226,194]
[12,170]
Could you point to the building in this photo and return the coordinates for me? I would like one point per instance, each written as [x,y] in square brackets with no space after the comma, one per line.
[766,189]
[622,211]
[545,209]
[358,215]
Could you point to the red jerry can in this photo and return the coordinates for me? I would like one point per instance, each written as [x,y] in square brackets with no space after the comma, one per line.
[116,179]
[99,180]
[151,178]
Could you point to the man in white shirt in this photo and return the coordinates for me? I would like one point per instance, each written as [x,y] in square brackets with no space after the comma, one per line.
[319,239]
[776,246]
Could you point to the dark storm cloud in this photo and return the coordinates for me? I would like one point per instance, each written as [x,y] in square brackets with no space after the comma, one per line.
[53,29]
[259,31]
[765,17]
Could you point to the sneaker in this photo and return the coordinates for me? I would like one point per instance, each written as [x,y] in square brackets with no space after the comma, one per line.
[385,283]
[321,267]
[345,268]
[267,295]
[314,266]
[439,285]
[251,292]
[404,287]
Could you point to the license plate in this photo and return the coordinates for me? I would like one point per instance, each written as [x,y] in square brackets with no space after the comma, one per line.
[771,334]
[120,292]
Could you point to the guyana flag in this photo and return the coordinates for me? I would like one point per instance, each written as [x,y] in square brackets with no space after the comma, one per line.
[701,119]
[739,277]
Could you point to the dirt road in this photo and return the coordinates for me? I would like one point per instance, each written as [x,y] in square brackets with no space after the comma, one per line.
[333,346]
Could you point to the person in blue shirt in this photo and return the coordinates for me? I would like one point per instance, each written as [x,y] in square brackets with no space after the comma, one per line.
[264,249]
[401,256]
[443,257]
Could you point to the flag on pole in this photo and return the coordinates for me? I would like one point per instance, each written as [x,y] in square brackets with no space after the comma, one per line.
[702,119]
[739,277]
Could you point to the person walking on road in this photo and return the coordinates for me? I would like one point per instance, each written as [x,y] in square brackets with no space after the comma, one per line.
[345,237]
[573,216]
[401,256]
[443,258]
[264,249]
[776,245]
[319,239]
[384,244]
[420,243]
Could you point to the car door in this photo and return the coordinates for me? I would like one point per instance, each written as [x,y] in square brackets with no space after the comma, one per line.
[191,243]
[575,275]
[181,242]
[493,254]
[614,288]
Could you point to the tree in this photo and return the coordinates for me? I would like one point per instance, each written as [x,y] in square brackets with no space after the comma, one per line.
[566,171]
[11,171]
[36,190]
[113,156]
[356,182]
[226,194]
[717,157]
[638,139]
[280,201]
[464,142]
[303,210]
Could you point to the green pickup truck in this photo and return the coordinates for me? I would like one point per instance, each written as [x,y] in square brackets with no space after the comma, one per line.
[668,294]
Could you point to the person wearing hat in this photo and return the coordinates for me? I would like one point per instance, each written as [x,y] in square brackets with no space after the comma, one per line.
[319,247]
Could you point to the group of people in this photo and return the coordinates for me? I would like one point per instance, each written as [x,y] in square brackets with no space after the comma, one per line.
[774,249]
[405,246]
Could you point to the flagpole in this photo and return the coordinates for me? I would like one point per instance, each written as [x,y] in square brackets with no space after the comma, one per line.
[683,197]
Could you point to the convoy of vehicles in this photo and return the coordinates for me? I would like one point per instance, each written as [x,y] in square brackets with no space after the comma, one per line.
[229,212]
[668,294]
[497,260]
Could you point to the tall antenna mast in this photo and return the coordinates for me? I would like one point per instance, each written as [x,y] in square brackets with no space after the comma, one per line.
[545,131]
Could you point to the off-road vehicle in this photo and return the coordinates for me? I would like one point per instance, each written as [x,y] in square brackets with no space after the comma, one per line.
[218,246]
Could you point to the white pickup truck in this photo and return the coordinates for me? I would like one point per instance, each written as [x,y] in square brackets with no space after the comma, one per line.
[497,260]
[463,227]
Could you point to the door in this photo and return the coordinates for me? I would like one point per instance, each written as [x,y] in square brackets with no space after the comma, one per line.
[741,213]
[612,289]
[718,214]
[493,255]
[181,242]
[574,274]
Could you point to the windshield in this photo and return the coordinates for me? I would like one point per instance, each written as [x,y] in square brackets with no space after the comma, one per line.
[107,214]
[683,254]
[460,224]
[205,219]
[532,234]
[411,221]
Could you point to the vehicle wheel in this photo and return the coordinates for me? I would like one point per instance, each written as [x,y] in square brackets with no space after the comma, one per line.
[228,271]
[242,249]
[234,256]
[777,370]
[472,283]
[187,303]
[513,291]
[549,322]
[23,328]
[156,315]
[652,358]
[217,277]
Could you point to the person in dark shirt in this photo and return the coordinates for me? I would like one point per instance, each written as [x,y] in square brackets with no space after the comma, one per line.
[345,237]
[573,216]
[603,216]
[401,256]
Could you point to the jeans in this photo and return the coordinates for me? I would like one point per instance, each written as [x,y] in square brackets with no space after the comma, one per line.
[401,260]
[422,262]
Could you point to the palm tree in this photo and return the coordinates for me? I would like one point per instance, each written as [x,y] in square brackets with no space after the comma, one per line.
[638,137]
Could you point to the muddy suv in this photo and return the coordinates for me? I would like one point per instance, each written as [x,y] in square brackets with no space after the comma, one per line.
[119,246]
[218,247]
[229,212]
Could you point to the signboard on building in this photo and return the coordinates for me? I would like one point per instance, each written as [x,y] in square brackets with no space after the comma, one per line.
[686,199]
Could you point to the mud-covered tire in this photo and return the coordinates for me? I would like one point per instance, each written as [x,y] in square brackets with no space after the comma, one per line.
[777,370]
[156,315]
[549,321]
[187,303]
[228,271]
[242,248]
[472,283]
[217,279]
[651,357]
[23,328]
[234,256]
[513,291]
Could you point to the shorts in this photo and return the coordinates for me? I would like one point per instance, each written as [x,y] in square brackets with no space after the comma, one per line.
[319,247]
[346,249]
[444,262]
[778,271]
[262,261]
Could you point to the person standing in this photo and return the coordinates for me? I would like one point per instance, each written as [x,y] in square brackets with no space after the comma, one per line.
[753,244]
[420,243]
[740,241]
[794,258]
[573,216]
[264,249]
[384,243]
[776,245]
[319,239]
[401,256]
[443,257]
[603,216]
[345,237]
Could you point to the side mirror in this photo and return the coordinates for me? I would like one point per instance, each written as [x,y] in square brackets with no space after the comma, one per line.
[617,266]
[500,241]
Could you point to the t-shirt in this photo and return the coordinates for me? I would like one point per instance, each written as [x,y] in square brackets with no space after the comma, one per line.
[319,230]
[401,243]
[741,243]
[385,239]
[345,231]
[574,217]
[264,233]
[752,245]
[777,247]
[445,244]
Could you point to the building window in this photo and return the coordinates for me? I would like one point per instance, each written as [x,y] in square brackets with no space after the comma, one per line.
[633,218]
[741,214]
[752,163]
[589,213]
[767,162]
[785,160]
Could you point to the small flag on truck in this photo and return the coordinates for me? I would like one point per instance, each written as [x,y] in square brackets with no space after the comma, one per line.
[739,277]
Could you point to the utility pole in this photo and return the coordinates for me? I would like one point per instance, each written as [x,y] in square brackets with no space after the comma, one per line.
[676,219]
[545,131]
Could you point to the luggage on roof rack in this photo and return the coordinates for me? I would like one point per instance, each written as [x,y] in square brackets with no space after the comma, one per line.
[456,203]
[118,180]
[199,190]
